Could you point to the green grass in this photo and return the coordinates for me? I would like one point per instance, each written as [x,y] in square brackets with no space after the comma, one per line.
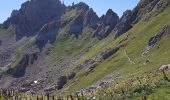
[20,52]
[134,46]
[7,32]
[162,93]
[70,14]
[67,47]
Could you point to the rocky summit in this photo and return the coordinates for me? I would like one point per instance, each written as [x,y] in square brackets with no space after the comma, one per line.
[50,49]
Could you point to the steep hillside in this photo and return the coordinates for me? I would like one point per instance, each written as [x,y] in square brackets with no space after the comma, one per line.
[64,50]
[134,56]
[52,49]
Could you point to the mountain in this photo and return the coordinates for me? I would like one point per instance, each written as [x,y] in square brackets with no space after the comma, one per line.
[47,47]
[33,15]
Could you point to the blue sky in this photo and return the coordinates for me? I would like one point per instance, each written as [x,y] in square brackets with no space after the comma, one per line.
[99,6]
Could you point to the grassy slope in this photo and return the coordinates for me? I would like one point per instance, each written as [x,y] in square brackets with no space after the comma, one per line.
[162,93]
[67,46]
[71,47]
[134,47]
[7,32]
[17,57]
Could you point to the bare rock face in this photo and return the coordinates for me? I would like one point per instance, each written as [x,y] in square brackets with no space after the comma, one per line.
[33,15]
[76,26]
[61,82]
[146,8]
[106,24]
[91,19]
[109,52]
[71,75]
[143,8]
[124,24]
[0,42]
[20,68]
[165,31]
[48,33]
[143,11]
[110,18]
[86,17]
[92,63]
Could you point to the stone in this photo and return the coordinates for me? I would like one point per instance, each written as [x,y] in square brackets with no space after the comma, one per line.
[109,52]
[90,69]
[165,67]
[62,80]
[71,75]
[51,89]
[165,31]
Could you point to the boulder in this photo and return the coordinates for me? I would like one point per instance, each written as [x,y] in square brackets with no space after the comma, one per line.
[165,67]
[109,52]
[62,80]
[71,75]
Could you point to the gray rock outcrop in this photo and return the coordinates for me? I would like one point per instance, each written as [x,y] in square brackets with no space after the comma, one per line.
[106,24]
[33,15]
[165,31]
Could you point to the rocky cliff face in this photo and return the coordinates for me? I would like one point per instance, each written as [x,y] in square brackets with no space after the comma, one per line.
[164,32]
[91,18]
[27,60]
[47,33]
[146,8]
[143,11]
[85,18]
[106,24]
[33,15]
[124,24]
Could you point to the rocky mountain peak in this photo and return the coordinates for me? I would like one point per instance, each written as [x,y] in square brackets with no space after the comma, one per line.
[124,24]
[143,11]
[106,24]
[91,18]
[110,18]
[33,15]
[80,6]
